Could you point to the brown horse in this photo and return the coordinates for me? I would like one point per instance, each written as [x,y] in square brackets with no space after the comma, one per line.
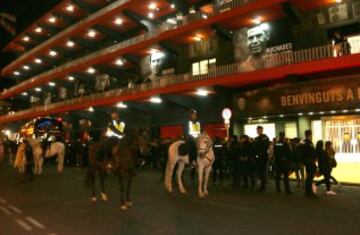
[117,156]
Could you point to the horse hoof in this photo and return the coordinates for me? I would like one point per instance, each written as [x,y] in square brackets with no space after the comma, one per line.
[124,207]
[104,197]
[183,191]
[129,204]
[206,194]
[93,199]
[201,195]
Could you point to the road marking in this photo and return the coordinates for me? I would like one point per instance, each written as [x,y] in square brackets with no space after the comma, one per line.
[2,200]
[15,209]
[5,210]
[23,225]
[35,222]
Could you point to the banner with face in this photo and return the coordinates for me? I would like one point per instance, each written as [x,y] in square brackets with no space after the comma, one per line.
[102,82]
[151,65]
[254,47]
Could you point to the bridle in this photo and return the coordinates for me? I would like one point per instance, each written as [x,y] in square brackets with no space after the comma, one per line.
[206,150]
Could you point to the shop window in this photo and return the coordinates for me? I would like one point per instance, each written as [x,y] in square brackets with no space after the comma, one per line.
[291,130]
[316,128]
[203,67]
[345,136]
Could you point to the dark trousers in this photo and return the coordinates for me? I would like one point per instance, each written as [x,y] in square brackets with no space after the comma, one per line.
[247,174]
[325,180]
[192,150]
[310,174]
[261,166]
[218,168]
[28,172]
[235,171]
[281,171]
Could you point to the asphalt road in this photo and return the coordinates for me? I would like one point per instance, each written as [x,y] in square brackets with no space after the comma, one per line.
[60,204]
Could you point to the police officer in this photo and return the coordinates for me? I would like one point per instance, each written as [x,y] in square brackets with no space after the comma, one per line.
[246,162]
[115,132]
[115,127]
[282,158]
[192,132]
[261,147]
[308,158]
[218,165]
[234,157]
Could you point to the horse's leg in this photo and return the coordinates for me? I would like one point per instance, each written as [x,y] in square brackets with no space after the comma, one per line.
[92,177]
[206,180]
[123,205]
[40,164]
[200,178]
[128,188]
[102,177]
[61,157]
[169,172]
[180,169]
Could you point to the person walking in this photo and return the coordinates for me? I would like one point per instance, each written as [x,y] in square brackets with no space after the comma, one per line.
[282,159]
[308,158]
[333,163]
[261,147]
[324,162]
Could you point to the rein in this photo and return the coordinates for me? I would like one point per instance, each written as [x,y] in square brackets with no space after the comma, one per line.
[206,150]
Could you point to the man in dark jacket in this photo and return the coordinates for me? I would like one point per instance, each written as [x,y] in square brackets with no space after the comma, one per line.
[282,158]
[247,162]
[233,154]
[218,165]
[261,147]
[308,158]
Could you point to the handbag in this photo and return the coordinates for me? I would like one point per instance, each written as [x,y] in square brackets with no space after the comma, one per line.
[333,162]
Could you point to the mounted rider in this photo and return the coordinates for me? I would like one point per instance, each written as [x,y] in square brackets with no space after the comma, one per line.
[114,133]
[192,132]
[48,130]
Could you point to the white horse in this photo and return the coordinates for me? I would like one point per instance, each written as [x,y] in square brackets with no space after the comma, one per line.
[205,159]
[55,149]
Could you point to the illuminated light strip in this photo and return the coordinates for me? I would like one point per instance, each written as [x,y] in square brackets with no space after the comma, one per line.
[15,209]
[35,222]
[23,225]
[2,200]
[5,210]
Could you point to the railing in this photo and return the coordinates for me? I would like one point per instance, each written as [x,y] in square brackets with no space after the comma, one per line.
[269,61]
[229,5]
[127,43]
[70,29]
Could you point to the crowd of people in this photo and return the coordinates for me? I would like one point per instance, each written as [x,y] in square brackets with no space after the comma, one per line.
[249,162]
